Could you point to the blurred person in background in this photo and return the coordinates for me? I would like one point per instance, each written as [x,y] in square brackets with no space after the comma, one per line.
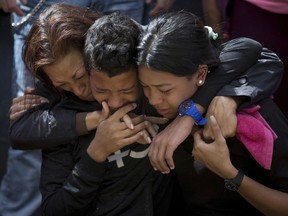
[262,20]
[6,45]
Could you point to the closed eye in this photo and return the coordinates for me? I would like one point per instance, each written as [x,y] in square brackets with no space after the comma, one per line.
[100,91]
[128,92]
[143,85]
[60,86]
[82,76]
[165,92]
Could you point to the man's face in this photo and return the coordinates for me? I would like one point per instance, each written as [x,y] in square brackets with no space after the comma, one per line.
[117,91]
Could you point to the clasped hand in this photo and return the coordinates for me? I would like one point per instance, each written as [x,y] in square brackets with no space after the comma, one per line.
[121,129]
[165,143]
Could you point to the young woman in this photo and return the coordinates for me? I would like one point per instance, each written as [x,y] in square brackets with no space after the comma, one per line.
[171,70]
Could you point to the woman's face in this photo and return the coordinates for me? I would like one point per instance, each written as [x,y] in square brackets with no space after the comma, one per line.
[69,74]
[166,91]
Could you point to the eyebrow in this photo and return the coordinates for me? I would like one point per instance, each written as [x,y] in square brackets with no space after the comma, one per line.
[61,83]
[126,89]
[75,72]
[159,85]
[129,88]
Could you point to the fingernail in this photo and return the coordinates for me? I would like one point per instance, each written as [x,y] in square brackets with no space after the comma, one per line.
[156,127]
[172,167]
[155,168]
[131,126]
[149,140]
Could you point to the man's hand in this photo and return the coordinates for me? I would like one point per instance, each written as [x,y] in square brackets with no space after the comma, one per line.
[112,134]
[224,110]
[10,6]
[164,144]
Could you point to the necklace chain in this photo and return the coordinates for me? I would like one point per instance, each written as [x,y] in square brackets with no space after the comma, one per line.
[29,15]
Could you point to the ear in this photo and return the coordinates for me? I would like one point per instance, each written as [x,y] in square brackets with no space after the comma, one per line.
[202,72]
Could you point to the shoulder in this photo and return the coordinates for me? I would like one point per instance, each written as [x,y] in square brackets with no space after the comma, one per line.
[242,43]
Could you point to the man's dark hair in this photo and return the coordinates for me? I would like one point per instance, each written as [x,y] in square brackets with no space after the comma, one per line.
[111,44]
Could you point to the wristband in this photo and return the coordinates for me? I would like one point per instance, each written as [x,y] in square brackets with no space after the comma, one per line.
[234,184]
[189,108]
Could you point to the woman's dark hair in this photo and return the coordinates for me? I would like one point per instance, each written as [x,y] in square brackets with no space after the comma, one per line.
[58,30]
[176,42]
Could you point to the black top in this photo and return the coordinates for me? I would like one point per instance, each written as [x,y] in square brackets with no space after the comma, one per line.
[204,191]
[74,184]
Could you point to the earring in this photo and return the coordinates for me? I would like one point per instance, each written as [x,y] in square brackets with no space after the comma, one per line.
[200,82]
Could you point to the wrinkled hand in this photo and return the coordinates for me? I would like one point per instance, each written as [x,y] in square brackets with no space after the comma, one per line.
[224,110]
[154,122]
[23,103]
[112,134]
[29,90]
[215,156]
[160,7]
[151,123]
[9,6]
[164,144]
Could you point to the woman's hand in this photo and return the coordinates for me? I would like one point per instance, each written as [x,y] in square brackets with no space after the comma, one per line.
[151,123]
[215,155]
[224,110]
[23,103]
[93,119]
[164,144]
[160,6]
[10,6]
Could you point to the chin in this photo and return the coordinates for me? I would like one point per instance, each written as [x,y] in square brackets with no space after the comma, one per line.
[172,115]
[169,116]
[91,98]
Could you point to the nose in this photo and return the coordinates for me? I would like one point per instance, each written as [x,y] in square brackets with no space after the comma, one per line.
[154,98]
[79,90]
[115,102]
